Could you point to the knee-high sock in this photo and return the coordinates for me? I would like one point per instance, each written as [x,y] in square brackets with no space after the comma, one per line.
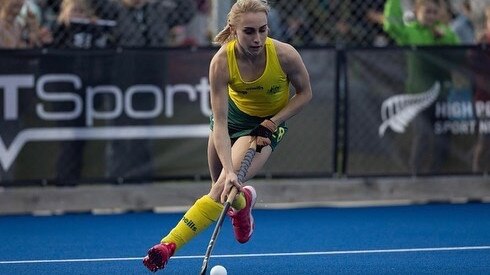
[203,213]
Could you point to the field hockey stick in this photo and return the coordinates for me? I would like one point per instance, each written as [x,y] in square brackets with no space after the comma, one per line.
[247,160]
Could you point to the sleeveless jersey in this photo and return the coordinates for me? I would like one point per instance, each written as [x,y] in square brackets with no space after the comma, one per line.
[265,96]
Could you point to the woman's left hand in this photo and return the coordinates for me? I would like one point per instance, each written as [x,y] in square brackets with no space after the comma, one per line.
[231,180]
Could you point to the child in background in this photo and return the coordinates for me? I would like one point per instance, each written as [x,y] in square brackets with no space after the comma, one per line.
[424,69]
[425,30]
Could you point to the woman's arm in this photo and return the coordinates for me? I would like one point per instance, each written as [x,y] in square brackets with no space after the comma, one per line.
[295,69]
[218,79]
[393,20]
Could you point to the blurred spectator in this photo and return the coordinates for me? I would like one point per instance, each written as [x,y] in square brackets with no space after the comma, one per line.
[461,23]
[347,23]
[17,32]
[33,7]
[45,11]
[48,12]
[372,18]
[140,23]
[485,36]
[477,15]
[197,32]
[343,21]
[480,65]
[423,72]
[425,30]
[78,28]
[276,28]
[145,23]
[295,18]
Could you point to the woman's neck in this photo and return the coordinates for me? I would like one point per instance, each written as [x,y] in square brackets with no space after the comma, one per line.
[249,57]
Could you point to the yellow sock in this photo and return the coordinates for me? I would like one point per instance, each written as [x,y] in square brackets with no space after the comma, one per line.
[203,213]
[239,203]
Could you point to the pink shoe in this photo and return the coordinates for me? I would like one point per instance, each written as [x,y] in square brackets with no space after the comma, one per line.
[243,221]
[158,256]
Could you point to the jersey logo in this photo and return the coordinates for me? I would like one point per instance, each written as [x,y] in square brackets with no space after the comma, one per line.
[255,88]
[273,90]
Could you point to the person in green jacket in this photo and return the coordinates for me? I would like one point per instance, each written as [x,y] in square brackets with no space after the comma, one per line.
[425,67]
[425,30]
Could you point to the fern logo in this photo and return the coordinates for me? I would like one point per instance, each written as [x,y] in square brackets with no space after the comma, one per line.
[399,110]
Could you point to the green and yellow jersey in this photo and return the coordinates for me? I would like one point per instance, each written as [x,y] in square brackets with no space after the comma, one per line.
[250,102]
[265,96]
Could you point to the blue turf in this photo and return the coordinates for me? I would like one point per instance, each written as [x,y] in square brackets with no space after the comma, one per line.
[79,236]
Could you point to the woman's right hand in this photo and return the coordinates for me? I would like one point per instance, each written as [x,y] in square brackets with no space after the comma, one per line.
[263,133]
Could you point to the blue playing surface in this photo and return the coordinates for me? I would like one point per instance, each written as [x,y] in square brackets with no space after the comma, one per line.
[418,239]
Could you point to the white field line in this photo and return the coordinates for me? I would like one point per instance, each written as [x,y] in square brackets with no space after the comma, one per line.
[319,253]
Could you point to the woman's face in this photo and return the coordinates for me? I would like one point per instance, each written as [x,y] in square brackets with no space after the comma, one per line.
[251,31]
[77,11]
[427,14]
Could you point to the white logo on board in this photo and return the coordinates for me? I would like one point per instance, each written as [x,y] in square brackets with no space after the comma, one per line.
[399,110]
[84,106]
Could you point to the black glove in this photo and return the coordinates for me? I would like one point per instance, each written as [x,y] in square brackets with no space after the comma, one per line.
[265,130]
[261,131]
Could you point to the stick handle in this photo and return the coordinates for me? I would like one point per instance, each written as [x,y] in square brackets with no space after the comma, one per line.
[242,172]
[232,194]
[246,161]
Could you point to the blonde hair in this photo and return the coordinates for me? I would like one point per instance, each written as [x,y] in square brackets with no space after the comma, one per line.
[239,8]
[67,6]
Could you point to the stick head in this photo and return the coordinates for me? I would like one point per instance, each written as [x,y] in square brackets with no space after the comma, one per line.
[204,267]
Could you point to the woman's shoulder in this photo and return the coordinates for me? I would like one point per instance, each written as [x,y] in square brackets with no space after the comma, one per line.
[279,44]
[220,58]
[222,51]
[284,50]
[287,55]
